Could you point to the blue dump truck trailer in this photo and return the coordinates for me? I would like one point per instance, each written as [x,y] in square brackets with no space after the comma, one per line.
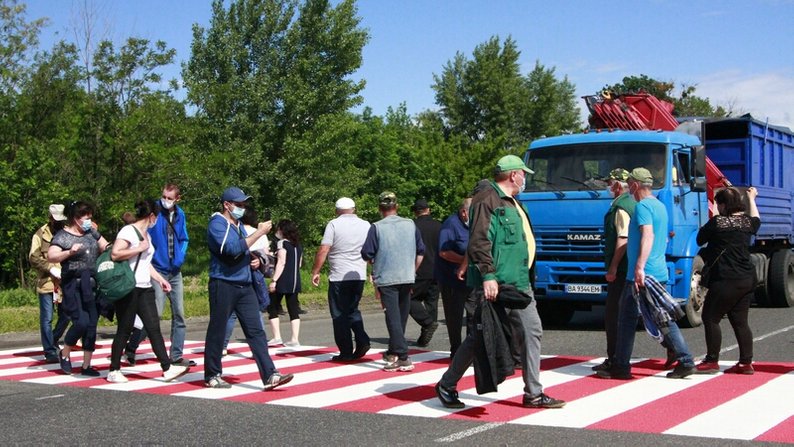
[567,198]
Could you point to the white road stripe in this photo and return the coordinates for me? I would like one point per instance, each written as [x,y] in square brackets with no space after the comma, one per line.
[390,382]
[613,401]
[746,416]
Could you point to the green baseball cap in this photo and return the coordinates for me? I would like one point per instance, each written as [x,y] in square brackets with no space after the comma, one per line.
[387,198]
[618,174]
[511,163]
[641,175]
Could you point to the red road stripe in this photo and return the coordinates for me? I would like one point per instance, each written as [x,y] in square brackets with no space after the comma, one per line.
[671,410]
[783,432]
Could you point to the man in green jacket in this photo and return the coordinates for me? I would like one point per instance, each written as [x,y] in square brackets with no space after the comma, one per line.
[616,233]
[502,251]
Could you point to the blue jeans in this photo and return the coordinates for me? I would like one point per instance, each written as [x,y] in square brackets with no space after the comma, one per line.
[49,337]
[396,301]
[230,328]
[343,300]
[226,297]
[178,327]
[628,312]
[84,328]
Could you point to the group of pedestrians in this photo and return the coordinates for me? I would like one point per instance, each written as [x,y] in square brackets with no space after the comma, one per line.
[480,260]
[635,244]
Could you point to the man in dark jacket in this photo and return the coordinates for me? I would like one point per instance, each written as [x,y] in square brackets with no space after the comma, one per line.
[424,298]
[501,251]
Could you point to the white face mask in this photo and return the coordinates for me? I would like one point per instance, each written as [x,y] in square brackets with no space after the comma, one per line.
[167,204]
[523,184]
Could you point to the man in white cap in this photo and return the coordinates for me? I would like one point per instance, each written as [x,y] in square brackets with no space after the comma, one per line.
[341,245]
[49,277]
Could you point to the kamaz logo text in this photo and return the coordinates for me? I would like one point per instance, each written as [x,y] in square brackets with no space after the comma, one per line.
[583,237]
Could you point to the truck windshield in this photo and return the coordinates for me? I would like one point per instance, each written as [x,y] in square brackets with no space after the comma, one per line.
[578,167]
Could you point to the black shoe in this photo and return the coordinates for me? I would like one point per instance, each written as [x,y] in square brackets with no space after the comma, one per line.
[302,312]
[130,355]
[671,359]
[542,401]
[448,397]
[50,359]
[66,364]
[681,371]
[426,334]
[90,372]
[183,362]
[342,358]
[610,374]
[361,351]
[605,365]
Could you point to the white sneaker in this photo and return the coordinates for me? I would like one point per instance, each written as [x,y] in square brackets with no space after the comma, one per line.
[275,342]
[175,371]
[116,377]
[292,344]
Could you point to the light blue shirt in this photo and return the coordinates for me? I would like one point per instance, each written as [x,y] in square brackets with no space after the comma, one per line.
[649,211]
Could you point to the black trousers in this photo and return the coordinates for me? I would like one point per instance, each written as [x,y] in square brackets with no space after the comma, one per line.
[140,302]
[454,301]
[731,297]
[424,302]
[614,290]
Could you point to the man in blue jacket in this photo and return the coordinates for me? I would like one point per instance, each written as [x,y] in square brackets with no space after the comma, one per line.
[170,240]
[231,290]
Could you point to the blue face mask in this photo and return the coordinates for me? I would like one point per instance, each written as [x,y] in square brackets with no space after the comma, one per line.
[237,212]
[86,225]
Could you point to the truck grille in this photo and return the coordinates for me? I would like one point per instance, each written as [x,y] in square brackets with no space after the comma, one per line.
[579,243]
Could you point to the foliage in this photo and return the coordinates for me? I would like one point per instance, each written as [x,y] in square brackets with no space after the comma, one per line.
[685,104]
[487,99]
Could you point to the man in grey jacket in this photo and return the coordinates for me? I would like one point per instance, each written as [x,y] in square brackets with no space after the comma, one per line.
[395,249]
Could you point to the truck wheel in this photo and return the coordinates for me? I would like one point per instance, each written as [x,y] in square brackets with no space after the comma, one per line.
[781,279]
[555,314]
[697,296]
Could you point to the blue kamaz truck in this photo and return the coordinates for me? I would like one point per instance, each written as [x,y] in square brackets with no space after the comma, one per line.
[567,198]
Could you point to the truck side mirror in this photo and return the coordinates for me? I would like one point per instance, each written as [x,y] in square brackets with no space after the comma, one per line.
[698,183]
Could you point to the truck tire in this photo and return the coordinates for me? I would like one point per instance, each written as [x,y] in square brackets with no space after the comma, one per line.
[697,296]
[780,278]
[555,314]
[761,265]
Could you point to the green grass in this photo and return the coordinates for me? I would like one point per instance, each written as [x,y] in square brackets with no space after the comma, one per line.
[19,308]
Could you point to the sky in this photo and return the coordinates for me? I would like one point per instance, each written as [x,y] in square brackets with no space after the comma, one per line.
[737,53]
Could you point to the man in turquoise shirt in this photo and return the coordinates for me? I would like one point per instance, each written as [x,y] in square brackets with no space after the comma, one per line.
[646,257]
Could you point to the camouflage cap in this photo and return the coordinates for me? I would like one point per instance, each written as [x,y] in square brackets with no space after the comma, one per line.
[387,198]
[618,174]
[642,176]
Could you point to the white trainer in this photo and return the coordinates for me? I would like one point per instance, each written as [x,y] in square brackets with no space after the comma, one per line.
[116,377]
[175,371]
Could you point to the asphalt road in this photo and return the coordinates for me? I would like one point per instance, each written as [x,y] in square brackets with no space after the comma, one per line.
[41,414]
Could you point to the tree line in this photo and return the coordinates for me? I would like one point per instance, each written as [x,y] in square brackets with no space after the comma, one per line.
[269,88]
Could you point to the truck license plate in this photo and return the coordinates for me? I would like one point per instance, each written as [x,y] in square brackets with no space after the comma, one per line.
[583,288]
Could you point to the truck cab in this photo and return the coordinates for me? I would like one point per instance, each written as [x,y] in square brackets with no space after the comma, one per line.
[567,199]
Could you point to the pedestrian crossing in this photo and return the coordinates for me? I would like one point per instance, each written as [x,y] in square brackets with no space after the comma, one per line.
[758,407]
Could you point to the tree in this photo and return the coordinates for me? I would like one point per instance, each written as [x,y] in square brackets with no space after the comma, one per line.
[265,77]
[487,99]
[17,37]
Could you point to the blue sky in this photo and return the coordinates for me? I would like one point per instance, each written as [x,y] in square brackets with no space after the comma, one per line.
[737,53]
